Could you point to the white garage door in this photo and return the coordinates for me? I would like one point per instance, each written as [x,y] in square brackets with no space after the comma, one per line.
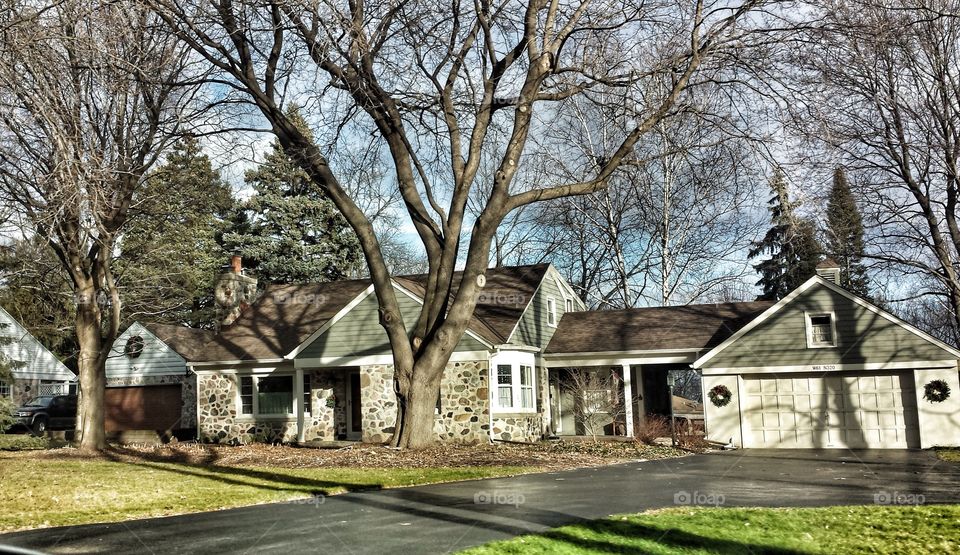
[844,410]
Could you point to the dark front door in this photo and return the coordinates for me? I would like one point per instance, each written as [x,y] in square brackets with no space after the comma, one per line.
[356,413]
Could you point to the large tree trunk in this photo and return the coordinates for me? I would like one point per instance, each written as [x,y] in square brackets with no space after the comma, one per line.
[416,421]
[90,418]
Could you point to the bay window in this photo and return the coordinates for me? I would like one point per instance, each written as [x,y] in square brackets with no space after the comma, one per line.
[515,381]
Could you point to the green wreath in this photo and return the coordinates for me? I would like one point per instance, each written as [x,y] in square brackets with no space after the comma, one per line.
[936,391]
[720,395]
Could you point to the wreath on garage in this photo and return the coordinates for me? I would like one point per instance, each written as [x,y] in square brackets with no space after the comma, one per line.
[936,391]
[134,347]
[720,395]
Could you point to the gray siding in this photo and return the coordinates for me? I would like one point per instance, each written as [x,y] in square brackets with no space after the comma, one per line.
[533,328]
[37,361]
[157,358]
[359,332]
[862,337]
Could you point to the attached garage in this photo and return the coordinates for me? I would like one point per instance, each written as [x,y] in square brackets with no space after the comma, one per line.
[823,368]
[854,410]
[156,408]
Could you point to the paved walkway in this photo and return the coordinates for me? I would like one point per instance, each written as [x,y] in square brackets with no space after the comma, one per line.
[448,517]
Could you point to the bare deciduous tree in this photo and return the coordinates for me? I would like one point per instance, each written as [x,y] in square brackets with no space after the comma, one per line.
[879,85]
[438,83]
[89,98]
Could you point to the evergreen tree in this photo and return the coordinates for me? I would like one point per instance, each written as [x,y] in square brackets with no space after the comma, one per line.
[292,232]
[845,235]
[790,244]
[170,256]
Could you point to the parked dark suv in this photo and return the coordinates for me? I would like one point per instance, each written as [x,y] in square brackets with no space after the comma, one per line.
[48,412]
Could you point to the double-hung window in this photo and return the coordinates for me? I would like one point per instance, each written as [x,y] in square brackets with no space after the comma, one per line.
[821,330]
[515,384]
[5,390]
[266,395]
[551,311]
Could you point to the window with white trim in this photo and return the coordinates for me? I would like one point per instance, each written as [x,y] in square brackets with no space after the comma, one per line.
[551,311]
[821,330]
[516,379]
[5,389]
[267,395]
[306,394]
[568,305]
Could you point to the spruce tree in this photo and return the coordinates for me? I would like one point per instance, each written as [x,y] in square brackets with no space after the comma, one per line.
[790,244]
[170,256]
[290,231]
[845,235]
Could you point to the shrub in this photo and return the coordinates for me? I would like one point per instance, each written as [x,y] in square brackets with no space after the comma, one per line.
[652,427]
[22,442]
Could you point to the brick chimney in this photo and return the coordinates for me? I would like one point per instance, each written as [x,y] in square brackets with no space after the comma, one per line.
[234,291]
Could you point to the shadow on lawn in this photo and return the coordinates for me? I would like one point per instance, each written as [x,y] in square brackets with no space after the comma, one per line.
[618,537]
[186,464]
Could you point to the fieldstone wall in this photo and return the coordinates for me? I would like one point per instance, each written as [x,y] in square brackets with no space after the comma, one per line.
[23,390]
[378,403]
[328,396]
[220,421]
[188,392]
[464,413]
[518,427]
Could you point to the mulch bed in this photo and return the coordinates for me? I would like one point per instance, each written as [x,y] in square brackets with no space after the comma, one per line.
[547,455]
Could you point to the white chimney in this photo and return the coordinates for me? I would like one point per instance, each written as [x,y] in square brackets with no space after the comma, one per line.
[829,270]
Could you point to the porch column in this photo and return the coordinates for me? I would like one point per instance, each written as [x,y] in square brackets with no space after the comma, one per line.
[298,402]
[628,398]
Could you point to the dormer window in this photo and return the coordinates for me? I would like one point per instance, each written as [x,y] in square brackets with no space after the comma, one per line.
[821,330]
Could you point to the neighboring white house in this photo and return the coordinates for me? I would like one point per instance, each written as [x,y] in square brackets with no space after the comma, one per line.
[36,371]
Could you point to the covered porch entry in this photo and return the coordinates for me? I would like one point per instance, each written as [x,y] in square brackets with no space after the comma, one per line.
[605,397]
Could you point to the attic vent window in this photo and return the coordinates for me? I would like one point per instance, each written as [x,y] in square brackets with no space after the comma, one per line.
[134,347]
[821,330]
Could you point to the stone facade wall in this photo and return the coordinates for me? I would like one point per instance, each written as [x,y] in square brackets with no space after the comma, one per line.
[378,403]
[22,390]
[221,423]
[464,403]
[518,427]
[188,392]
[464,413]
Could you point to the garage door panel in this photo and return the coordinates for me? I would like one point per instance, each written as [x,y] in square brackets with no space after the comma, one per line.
[143,408]
[848,410]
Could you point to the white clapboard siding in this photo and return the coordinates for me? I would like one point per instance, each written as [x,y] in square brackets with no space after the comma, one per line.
[39,362]
[157,358]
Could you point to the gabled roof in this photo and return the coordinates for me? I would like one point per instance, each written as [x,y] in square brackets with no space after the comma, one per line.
[285,316]
[502,301]
[690,327]
[817,280]
[38,361]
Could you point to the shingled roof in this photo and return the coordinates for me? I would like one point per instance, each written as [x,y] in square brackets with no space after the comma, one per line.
[690,327]
[286,315]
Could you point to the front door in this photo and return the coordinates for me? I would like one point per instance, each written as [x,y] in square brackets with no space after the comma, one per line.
[354,409]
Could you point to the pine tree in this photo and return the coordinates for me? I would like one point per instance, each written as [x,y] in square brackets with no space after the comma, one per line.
[845,235]
[170,256]
[292,232]
[790,243]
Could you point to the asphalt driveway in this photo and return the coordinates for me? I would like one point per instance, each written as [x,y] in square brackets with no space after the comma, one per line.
[447,517]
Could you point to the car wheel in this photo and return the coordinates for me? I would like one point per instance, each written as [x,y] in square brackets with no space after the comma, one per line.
[39,426]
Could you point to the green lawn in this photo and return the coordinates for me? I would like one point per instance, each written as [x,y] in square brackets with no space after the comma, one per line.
[900,530]
[951,454]
[35,492]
